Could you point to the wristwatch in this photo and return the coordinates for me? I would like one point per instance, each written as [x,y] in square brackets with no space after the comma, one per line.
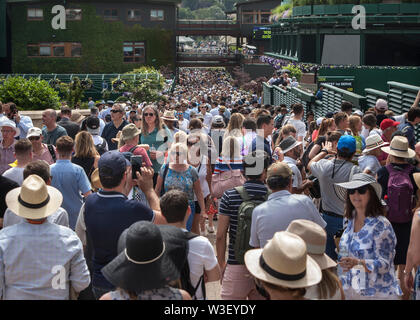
[324,150]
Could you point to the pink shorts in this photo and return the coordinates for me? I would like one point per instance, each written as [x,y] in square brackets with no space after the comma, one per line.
[238,284]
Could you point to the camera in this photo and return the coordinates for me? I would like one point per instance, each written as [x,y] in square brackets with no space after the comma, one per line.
[136,164]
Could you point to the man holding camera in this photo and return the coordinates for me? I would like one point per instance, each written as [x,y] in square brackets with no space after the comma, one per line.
[24,123]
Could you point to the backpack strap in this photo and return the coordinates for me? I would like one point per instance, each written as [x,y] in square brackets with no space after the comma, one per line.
[52,152]
[165,173]
[188,236]
[132,149]
[243,193]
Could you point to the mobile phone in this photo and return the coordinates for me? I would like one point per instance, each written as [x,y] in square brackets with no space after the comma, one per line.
[136,164]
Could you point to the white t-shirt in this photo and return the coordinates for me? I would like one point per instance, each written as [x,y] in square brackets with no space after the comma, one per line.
[369,162]
[201,256]
[299,126]
[202,174]
[15,174]
[183,125]
[297,176]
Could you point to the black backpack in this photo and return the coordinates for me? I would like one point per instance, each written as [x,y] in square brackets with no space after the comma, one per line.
[177,248]
[101,148]
[305,156]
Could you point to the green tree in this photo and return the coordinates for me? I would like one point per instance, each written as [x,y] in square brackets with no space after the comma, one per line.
[29,94]
[211,13]
[186,13]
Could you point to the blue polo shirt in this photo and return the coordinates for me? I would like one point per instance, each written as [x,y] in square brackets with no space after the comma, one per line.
[107,214]
[259,142]
[110,131]
[72,182]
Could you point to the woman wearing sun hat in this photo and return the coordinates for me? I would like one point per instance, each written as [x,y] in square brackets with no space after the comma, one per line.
[283,268]
[369,162]
[315,237]
[367,246]
[400,201]
[143,269]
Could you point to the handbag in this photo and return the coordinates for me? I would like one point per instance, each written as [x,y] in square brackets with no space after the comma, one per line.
[226,180]
[315,190]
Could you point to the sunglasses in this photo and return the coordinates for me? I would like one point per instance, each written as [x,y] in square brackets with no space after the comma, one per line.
[148,114]
[34,138]
[360,190]
[115,111]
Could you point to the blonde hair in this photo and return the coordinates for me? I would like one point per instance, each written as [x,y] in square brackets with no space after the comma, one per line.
[231,148]
[353,121]
[286,130]
[328,285]
[180,137]
[235,125]
[84,146]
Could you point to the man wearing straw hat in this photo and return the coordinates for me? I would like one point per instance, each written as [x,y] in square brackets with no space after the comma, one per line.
[7,146]
[39,260]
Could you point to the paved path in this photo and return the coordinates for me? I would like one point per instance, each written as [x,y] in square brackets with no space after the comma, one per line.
[213,288]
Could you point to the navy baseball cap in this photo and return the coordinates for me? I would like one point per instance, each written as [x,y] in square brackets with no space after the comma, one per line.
[114,161]
[347,142]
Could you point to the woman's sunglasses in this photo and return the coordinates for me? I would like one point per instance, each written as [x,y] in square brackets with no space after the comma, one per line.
[360,190]
[115,111]
[34,138]
[148,114]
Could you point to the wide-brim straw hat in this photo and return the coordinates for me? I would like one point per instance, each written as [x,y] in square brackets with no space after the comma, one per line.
[399,148]
[288,144]
[284,262]
[357,181]
[169,116]
[315,238]
[144,263]
[34,200]
[77,117]
[373,142]
[95,180]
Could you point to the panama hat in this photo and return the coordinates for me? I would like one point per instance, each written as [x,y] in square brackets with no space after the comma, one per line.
[399,148]
[144,263]
[34,200]
[373,142]
[315,238]
[284,262]
[357,181]
[10,124]
[169,115]
[288,144]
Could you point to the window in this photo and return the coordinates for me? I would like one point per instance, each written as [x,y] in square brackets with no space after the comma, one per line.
[111,14]
[133,15]
[35,14]
[156,15]
[265,17]
[134,52]
[55,49]
[73,14]
[249,17]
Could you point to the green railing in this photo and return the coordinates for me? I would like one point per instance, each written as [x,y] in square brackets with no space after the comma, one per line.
[373,95]
[267,94]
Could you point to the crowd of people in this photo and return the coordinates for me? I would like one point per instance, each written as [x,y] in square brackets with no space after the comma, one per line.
[117,205]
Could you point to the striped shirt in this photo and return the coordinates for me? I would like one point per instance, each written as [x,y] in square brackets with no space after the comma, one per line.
[222,165]
[229,206]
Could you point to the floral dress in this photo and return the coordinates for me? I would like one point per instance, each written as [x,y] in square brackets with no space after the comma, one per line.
[375,243]
[165,293]
[183,181]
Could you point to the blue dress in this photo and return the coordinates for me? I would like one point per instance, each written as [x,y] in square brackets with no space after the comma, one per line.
[375,243]
[183,181]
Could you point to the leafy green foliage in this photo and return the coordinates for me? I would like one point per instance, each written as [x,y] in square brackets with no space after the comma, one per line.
[142,84]
[73,91]
[294,71]
[29,94]
[102,43]
[335,2]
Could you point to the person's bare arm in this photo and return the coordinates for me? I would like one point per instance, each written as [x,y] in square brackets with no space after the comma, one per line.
[145,183]
[213,274]
[221,236]
[417,100]
[314,151]
[199,194]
